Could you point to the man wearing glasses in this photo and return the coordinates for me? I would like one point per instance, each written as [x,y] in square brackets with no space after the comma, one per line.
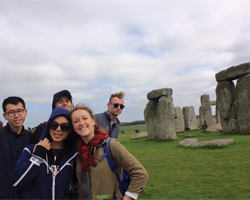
[108,120]
[13,139]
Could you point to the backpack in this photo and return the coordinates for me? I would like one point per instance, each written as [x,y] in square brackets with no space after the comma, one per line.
[124,183]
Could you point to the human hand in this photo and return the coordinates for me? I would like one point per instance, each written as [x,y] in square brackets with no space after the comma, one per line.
[45,143]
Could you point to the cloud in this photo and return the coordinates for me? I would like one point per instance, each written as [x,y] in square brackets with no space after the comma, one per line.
[95,48]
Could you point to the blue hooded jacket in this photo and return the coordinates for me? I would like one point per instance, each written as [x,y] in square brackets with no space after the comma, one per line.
[36,175]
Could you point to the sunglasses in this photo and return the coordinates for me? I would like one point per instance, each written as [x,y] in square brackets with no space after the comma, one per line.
[64,126]
[117,104]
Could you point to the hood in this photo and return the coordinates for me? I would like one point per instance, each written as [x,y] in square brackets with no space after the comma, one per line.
[58,95]
[55,113]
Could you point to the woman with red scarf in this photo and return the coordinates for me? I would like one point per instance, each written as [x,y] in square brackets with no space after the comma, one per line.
[91,160]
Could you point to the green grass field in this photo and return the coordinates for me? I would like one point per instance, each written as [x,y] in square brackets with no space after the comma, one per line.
[177,172]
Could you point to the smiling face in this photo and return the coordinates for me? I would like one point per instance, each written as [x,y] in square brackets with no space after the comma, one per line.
[83,124]
[58,136]
[16,121]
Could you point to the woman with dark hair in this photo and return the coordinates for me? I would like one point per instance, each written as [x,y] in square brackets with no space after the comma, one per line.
[44,170]
[91,160]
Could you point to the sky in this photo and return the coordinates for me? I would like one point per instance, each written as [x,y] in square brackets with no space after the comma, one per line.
[96,48]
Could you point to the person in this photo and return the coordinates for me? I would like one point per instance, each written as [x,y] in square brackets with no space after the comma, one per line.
[1,124]
[108,119]
[204,127]
[44,170]
[61,99]
[13,139]
[90,159]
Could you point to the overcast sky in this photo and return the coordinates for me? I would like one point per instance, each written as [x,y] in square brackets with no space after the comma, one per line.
[95,48]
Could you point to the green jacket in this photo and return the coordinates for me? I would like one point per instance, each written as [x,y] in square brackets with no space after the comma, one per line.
[103,180]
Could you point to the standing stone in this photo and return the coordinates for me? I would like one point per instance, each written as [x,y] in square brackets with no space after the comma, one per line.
[165,116]
[150,115]
[159,115]
[189,118]
[205,110]
[242,103]
[225,105]
[179,120]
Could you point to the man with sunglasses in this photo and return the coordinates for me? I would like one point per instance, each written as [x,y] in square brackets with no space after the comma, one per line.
[108,120]
[13,139]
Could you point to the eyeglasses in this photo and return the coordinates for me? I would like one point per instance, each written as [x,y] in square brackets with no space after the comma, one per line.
[64,126]
[11,113]
[117,104]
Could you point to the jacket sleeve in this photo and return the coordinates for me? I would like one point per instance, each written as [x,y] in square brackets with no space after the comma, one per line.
[127,161]
[26,169]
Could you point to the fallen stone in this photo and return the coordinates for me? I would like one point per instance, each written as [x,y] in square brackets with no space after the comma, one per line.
[195,142]
[140,135]
[189,142]
[214,128]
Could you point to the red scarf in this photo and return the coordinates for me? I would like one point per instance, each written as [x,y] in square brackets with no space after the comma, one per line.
[85,154]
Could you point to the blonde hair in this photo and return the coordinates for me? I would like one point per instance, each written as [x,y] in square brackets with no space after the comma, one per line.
[120,95]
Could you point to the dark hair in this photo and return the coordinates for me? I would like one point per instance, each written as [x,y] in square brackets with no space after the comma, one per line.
[70,141]
[12,100]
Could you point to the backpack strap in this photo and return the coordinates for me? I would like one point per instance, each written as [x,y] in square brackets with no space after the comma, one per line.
[106,148]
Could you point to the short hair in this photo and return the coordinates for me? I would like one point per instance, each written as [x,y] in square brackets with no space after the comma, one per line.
[81,106]
[120,95]
[12,100]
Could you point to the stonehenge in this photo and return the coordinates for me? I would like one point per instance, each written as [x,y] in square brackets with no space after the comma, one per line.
[163,120]
[233,101]
[159,115]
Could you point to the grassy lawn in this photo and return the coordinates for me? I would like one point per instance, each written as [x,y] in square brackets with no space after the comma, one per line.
[177,172]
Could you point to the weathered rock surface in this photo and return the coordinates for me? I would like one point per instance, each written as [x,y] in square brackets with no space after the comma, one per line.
[159,115]
[233,72]
[189,118]
[225,105]
[188,142]
[205,110]
[157,94]
[195,142]
[242,103]
[150,116]
[179,120]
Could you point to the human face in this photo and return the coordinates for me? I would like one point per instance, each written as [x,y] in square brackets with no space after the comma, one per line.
[58,136]
[83,124]
[112,110]
[16,121]
[64,102]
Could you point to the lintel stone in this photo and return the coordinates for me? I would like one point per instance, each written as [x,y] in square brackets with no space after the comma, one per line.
[233,73]
[157,94]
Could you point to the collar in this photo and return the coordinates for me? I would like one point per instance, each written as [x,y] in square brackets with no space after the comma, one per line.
[116,120]
[10,130]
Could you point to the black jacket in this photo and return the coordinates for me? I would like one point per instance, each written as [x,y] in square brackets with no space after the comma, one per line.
[11,147]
